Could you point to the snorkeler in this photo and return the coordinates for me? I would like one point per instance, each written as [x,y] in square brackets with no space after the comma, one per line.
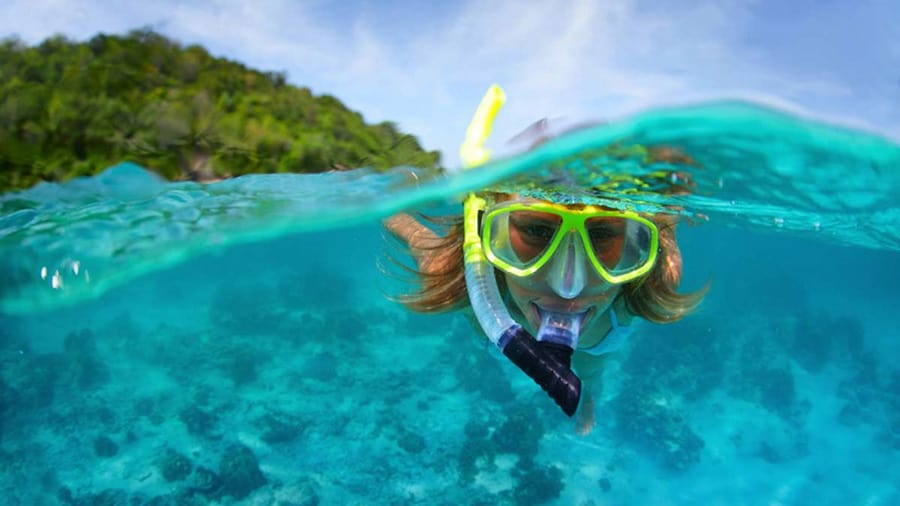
[571,277]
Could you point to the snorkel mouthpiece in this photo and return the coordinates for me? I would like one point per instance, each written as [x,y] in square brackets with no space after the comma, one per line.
[558,334]
[560,328]
[547,362]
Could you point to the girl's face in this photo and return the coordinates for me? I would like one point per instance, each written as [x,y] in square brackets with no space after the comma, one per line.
[568,283]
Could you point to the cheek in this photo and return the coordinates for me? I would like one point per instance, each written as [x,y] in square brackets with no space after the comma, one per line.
[603,300]
[517,291]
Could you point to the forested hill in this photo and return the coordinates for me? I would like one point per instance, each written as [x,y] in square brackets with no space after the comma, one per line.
[69,109]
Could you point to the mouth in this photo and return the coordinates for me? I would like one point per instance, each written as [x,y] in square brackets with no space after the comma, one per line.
[585,314]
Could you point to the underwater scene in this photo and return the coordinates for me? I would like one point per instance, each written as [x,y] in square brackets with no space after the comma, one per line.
[238,342]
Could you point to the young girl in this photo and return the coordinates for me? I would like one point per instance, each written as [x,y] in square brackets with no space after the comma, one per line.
[555,287]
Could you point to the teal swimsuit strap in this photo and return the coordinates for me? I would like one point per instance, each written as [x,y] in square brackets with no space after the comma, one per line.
[613,340]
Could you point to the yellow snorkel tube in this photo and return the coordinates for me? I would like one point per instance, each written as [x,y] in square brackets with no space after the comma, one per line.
[546,363]
[472,151]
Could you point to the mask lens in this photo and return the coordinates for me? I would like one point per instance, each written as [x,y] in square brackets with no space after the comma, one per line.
[521,237]
[621,245]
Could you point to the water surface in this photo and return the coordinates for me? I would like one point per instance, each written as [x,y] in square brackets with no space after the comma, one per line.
[179,343]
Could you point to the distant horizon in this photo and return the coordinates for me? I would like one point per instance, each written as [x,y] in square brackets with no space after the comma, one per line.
[425,67]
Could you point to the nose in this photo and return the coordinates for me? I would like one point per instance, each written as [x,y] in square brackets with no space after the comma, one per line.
[566,276]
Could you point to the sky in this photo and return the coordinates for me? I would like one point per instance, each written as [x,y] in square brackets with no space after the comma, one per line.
[425,65]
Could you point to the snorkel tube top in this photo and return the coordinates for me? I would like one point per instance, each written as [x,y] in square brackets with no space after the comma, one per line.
[546,362]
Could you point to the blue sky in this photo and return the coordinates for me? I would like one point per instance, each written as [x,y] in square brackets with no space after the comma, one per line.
[425,64]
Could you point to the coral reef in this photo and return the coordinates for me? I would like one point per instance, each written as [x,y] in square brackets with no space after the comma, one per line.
[239,472]
[198,421]
[174,466]
[302,492]
[276,427]
[645,419]
[105,447]
[204,482]
[538,486]
[411,442]
[605,484]
[518,435]
[30,381]
[109,497]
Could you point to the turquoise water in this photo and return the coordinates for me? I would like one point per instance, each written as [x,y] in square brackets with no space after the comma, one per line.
[178,343]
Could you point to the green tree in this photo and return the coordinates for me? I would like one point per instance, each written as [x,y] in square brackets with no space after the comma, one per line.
[70,109]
